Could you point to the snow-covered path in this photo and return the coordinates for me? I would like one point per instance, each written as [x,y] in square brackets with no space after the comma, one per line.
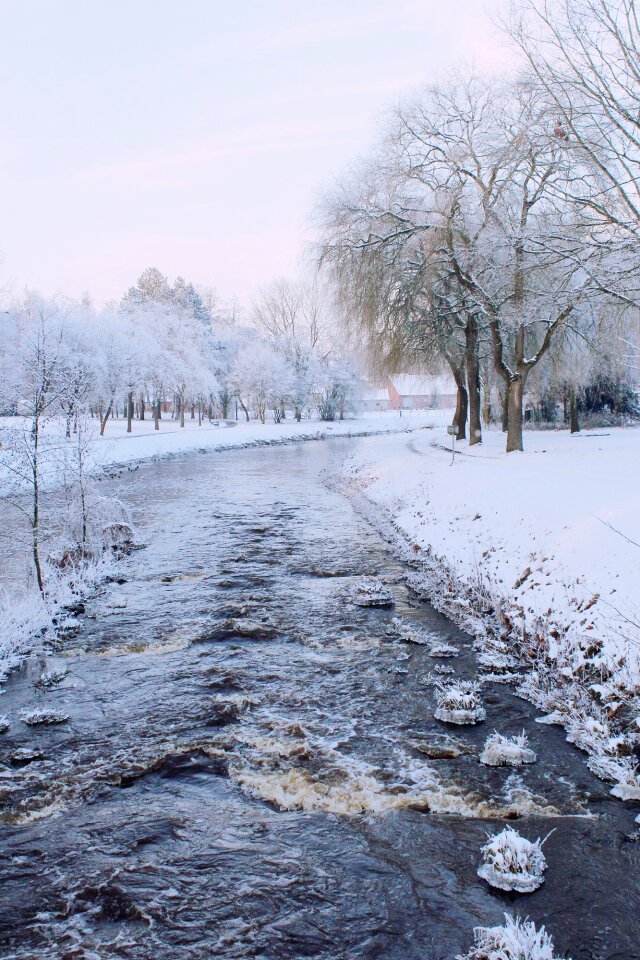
[252,764]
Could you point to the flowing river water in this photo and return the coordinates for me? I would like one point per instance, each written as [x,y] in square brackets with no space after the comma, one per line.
[243,772]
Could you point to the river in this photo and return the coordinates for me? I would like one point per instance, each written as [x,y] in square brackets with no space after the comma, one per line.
[243,771]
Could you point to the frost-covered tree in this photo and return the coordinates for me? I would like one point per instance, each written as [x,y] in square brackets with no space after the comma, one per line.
[32,383]
[584,56]
[290,317]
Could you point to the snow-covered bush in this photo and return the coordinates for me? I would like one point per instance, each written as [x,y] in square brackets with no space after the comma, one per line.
[459,702]
[512,862]
[369,592]
[4,724]
[516,940]
[500,751]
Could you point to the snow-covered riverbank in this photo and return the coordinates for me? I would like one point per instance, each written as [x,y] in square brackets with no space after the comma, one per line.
[119,448]
[145,443]
[537,553]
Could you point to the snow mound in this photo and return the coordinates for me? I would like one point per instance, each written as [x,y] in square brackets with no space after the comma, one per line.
[512,862]
[4,724]
[500,751]
[38,717]
[459,703]
[516,940]
[369,592]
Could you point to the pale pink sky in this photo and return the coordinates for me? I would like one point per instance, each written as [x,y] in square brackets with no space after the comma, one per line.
[194,137]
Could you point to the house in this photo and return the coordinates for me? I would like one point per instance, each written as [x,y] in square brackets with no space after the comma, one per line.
[377,399]
[413,391]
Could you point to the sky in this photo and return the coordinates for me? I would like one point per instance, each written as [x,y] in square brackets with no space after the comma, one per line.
[197,135]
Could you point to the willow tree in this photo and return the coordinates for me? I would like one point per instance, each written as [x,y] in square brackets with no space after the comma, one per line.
[395,291]
[488,161]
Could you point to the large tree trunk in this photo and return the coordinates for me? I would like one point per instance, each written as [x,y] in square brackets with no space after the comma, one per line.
[504,397]
[462,402]
[473,380]
[574,423]
[142,406]
[156,415]
[181,402]
[515,395]
[129,410]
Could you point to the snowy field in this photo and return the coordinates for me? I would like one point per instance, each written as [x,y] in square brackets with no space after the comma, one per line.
[549,538]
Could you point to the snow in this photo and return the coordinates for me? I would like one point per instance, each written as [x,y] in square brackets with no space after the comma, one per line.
[537,554]
[495,515]
[511,862]
[516,940]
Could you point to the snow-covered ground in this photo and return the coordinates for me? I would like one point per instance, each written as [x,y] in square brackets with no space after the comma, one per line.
[547,542]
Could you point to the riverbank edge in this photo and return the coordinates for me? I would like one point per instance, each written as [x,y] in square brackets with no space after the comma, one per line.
[509,654]
[249,444]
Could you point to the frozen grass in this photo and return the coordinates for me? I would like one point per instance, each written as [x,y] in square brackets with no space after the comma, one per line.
[459,703]
[51,678]
[516,940]
[369,592]
[443,650]
[41,717]
[500,751]
[406,632]
[31,621]
[511,862]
